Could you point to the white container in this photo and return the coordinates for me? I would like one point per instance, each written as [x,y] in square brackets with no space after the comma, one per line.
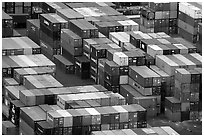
[123,80]
[126,36]
[190,10]
[126,25]
[169,130]
[120,58]
[163,35]
[154,50]
[183,49]
[114,37]
[134,25]
[68,119]
[197,56]
[189,63]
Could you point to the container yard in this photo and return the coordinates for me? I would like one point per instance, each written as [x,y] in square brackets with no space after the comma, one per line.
[101,68]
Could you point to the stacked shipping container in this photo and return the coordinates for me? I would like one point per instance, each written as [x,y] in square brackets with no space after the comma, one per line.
[19,46]
[7,25]
[164,130]
[50,34]
[159,17]
[190,14]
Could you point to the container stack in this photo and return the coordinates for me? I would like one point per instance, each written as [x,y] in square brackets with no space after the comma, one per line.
[17,7]
[187,91]
[10,63]
[7,25]
[33,30]
[164,130]
[159,17]
[190,14]
[8,128]
[148,84]
[19,46]
[20,11]
[50,34]
[85,120]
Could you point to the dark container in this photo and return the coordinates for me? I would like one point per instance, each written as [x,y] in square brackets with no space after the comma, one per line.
[71,38]
[124,125]
[79,28]
[76,130]
[14,111]
[194,106]
[67,130]
[135,57]
[112,79]
[98,51]
[141,124]
[95,127]
[93,30]
[105,115]
[187,36]
[82,67]
[7,25]
[135,39]
[43,128]
[115,89]
[111,68]
[123,70]
[64,64]
[86,130]
[33,30]
[173,104]
[189,20]
[149,60]
[185,115]
[77,117]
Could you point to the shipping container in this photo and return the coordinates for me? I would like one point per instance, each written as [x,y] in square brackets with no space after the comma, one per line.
[79,28]
[166,64]
[44,128]
[144,76]
[14,111]
[190,10]
[9,82]
[173,104]
[19,46]
[33,30]
[52,7]
[32,115]
[65,64]
[9,128]
[21,72]
[82,67]
[40,81]
[7,25]
[173,116]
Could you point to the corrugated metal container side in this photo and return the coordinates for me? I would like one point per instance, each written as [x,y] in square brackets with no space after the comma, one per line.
[173,116]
